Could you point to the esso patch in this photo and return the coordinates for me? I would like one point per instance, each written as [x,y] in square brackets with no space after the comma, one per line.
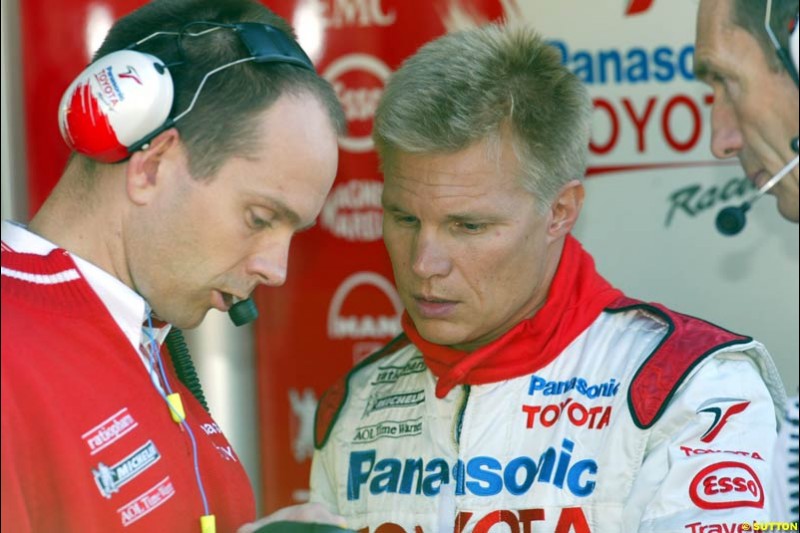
[358,80]
[727,485]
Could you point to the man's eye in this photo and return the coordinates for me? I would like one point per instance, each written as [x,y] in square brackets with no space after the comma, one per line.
[405,220]
[258,220]
[471,227]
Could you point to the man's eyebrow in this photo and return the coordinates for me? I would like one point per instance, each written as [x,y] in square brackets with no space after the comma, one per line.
[472,217]
[284,211]
[391,206]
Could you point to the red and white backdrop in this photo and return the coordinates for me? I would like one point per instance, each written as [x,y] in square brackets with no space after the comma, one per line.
[652,193]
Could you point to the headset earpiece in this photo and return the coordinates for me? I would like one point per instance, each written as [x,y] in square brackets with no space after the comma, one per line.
[114,103]
[123,100]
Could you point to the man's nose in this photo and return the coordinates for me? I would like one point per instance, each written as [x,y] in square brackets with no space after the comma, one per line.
[726,136]
[270,261]
[430,257]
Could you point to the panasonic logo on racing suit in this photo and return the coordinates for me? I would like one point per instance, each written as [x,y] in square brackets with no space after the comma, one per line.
[580,385]
[481,475]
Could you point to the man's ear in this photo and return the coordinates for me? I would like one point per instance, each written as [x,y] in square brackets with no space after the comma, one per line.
[146,165]
[565,209]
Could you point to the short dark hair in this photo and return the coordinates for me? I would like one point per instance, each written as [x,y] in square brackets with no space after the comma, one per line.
[221,124]
[749,15]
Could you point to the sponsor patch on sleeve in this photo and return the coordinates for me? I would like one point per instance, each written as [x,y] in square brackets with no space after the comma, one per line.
[726,485]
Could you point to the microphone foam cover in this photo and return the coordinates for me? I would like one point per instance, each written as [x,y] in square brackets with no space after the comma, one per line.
[731,220]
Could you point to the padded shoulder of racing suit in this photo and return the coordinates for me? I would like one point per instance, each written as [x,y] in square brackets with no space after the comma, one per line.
[688,342]
[333,399]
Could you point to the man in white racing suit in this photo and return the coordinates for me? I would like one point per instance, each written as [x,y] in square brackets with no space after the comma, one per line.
[526,393]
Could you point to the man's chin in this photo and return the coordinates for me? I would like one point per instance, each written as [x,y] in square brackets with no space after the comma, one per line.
[186,320]
[439,332]
[789,210]
[436,335]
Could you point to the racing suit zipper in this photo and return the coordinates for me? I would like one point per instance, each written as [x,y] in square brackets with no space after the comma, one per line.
[459,420]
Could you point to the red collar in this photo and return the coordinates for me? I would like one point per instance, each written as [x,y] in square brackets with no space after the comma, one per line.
[577,295]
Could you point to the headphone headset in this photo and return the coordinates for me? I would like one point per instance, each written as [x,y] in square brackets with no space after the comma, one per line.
[122,100]
[787,54]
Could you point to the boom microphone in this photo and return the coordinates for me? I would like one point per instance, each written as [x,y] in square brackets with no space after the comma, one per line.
[732,220]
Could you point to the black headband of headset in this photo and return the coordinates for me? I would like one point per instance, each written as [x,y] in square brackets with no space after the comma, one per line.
[267,44]
[781,49]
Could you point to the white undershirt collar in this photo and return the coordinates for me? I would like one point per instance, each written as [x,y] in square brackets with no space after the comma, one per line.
[127,308]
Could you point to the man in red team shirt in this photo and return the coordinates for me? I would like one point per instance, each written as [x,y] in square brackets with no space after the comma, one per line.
[147,228]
